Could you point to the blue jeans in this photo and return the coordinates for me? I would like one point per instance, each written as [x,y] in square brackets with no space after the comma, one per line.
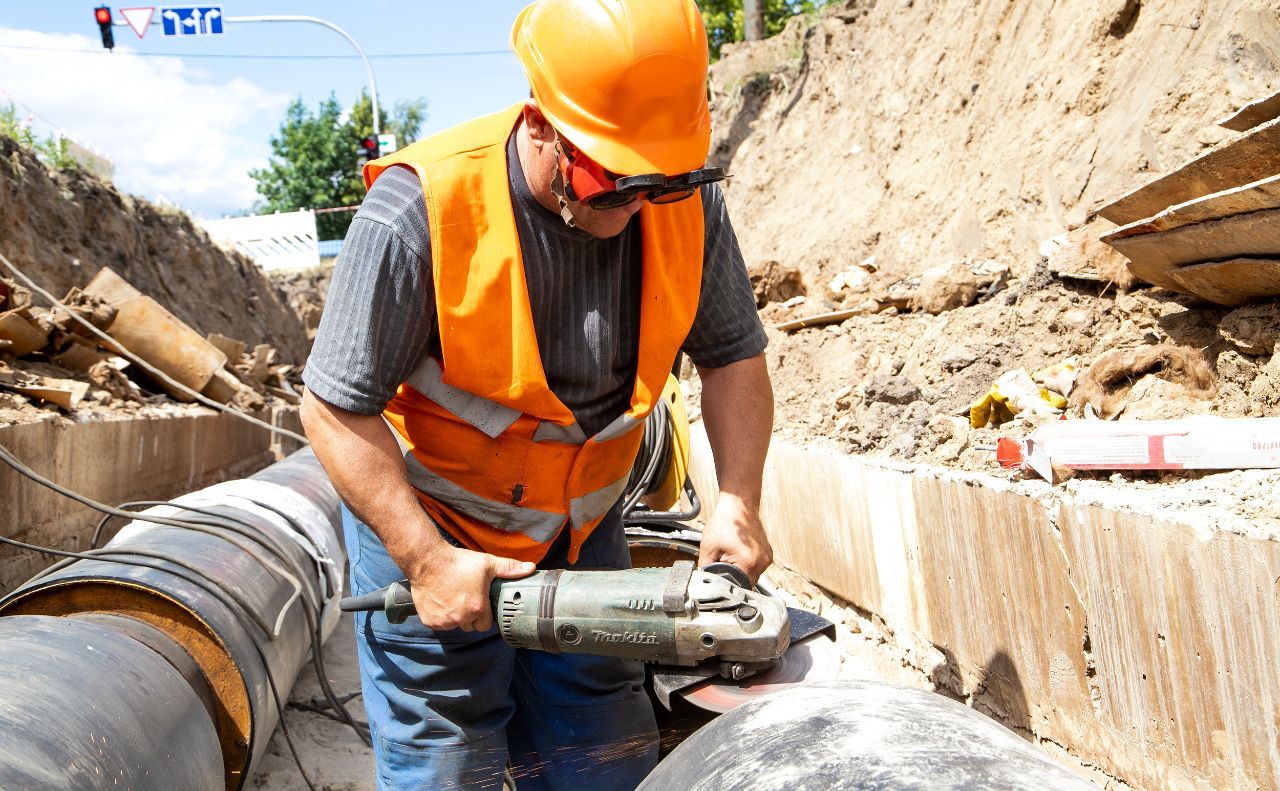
[447,709]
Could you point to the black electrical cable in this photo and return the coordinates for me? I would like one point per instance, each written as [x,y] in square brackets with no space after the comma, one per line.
[654,455]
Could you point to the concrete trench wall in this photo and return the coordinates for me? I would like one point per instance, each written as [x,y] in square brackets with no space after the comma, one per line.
[1146,646]
[135,458]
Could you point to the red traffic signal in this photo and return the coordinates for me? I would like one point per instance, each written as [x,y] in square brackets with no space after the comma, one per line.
[367,149]
[102,15]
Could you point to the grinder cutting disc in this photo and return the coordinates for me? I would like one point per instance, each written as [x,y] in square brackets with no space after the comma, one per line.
[815,659]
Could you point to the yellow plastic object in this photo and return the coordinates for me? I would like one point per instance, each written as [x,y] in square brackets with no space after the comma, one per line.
[624,80]
[668,494]
[997,407]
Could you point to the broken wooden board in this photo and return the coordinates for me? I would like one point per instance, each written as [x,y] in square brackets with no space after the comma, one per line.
[1232,283]
[1258,196]
[23,336]
[80,358]
[66,393]
[263,357]
[228,346]
[1231,164]
[145,328]
[111,287]
[1252,114]
[1254,235]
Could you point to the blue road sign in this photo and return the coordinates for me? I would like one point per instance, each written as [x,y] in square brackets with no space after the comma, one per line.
[191,20]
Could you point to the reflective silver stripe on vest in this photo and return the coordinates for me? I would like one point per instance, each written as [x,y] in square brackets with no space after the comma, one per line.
[617,428]
[594,505]
[554,432]
[490,417]
[541,526]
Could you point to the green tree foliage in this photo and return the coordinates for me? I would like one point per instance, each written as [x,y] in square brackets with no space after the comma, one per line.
[313,157]
[52,151]
[724,23]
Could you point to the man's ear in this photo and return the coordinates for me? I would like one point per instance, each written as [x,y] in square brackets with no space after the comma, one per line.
[536,123]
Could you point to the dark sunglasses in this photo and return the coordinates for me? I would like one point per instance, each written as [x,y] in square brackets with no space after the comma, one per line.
[587,182]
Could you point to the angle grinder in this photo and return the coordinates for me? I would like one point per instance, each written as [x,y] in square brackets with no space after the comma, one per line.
[691,624]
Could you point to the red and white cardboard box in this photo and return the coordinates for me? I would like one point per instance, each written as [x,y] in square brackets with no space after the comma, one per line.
[1194,443]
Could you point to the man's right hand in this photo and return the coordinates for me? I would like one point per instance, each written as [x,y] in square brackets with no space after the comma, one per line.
[451,587]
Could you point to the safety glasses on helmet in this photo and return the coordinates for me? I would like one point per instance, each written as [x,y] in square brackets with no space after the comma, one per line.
[588,182]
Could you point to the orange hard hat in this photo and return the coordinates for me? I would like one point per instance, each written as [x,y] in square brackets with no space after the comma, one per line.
[625,81]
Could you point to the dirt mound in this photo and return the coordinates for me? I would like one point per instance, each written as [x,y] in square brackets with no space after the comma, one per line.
[61,227]
[902,142]
[306,290]
[924,132]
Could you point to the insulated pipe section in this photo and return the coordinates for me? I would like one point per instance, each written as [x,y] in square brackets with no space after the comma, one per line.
[67,721]
[242,600]
[857,735]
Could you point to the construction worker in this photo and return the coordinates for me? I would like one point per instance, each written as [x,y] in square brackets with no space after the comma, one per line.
[509,301]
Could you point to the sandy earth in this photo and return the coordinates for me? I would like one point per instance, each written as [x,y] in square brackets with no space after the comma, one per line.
[888,139]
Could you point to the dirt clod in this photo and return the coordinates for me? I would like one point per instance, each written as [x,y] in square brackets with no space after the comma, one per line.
[773,282]
[1107,384]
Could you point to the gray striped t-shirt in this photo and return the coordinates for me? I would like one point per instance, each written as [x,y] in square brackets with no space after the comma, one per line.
[380,318]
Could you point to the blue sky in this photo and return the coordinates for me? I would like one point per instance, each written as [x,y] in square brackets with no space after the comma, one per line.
[186,128]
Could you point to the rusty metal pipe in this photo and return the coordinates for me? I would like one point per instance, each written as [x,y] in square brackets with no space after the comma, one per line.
[242,621]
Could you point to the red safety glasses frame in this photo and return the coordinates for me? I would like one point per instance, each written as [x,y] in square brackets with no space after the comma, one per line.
[587,182]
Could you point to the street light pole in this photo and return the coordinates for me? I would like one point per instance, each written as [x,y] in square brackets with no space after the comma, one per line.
[368,67]
[373,83]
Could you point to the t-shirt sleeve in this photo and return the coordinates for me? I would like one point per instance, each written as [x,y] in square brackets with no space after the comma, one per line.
[726,328]
[378,316]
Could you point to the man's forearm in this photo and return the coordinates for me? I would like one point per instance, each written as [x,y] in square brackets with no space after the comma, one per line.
[737,410]
[366,467]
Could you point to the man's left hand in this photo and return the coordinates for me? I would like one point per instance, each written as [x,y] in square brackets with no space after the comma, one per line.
[735,535]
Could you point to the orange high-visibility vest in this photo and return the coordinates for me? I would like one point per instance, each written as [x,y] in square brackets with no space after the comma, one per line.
[495,457]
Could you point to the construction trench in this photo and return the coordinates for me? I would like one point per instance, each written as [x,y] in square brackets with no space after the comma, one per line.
[937,204]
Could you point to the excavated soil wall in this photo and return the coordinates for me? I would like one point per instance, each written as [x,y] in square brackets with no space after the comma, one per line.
[61,227]
[1137,633]
[921,132]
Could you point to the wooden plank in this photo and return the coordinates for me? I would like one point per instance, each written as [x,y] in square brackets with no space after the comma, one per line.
[1254,235]
[1258,196]
[1252,114]
[23,336]
[111,287]
[1241,161]
[79,358]
[1233,282]
[144,327]
[228,346]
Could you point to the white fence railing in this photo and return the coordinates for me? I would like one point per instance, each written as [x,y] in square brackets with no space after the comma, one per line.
[274,241]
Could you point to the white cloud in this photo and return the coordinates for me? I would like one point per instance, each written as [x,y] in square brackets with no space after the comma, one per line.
[173,132]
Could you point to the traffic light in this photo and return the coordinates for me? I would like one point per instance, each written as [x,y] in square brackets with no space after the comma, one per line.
[102,15]
[367,150]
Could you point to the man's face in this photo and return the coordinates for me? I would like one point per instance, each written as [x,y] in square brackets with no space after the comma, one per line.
[543,164]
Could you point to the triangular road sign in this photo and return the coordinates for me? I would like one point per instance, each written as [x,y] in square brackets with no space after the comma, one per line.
[138,18]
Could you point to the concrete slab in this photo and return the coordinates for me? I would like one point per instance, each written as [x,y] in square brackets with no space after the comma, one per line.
[154,457]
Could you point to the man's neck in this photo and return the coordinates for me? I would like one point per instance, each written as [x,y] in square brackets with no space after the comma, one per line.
[537,171]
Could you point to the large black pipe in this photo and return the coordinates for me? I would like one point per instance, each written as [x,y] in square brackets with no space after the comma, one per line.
[864,735]
[68,720]
[243,601]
